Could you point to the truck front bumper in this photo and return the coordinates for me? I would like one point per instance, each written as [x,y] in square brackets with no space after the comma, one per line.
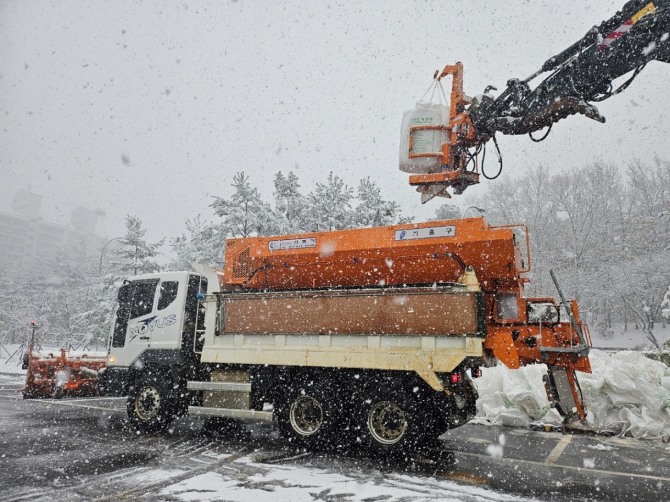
[113,382]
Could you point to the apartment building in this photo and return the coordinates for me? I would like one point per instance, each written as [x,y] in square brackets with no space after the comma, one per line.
[26,239]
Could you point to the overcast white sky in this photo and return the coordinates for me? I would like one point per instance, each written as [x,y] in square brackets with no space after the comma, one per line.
[149,108]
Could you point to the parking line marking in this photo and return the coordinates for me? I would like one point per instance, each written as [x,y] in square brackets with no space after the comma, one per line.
[59,402]
[517,461]
[558,450]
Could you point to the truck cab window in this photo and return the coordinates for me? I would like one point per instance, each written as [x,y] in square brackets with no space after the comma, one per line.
[135,299]
[143,298]
[168,293]
[125,297]
[196,285]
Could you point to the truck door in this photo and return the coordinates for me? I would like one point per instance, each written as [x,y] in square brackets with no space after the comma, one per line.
[165,329]
[194,315]
[132,333]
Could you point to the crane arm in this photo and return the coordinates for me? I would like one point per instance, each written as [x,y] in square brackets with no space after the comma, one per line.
[579,76]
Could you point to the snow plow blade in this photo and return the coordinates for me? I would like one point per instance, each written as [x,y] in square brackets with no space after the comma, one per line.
[64,374]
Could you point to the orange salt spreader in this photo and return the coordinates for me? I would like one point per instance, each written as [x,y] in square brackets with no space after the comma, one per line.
[467,252]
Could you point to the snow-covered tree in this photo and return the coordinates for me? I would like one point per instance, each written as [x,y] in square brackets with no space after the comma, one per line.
[447,212]
[606,236]
[81,303]
[135,252]
[16,310]
[67,298]
[203,243]
[372,210]
[245,213]
[329,205]
[665,304]
[647,244]
[290,213]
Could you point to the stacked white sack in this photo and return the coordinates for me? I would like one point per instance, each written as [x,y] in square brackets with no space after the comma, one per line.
[627,393]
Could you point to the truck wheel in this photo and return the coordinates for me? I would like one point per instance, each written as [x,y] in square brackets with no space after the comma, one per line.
[389,423]
[150,406]
[310,416]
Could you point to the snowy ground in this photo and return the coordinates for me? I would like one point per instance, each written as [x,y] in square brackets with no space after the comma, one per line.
[72,450]
[82,450]
[212,474]
[627,393]
[259,481]
[622,337]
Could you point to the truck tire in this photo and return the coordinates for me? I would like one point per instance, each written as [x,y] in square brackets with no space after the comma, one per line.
[310,416]
[150,403]
[390,422]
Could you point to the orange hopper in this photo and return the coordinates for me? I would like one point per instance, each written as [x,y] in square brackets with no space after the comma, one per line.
[422,253]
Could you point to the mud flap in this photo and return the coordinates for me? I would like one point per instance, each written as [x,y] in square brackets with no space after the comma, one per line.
[564,393]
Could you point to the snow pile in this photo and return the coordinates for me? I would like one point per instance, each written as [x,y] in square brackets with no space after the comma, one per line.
[514,397]
[627,393]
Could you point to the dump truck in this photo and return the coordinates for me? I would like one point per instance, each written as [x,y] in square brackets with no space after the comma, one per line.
[374,335]
[369,335]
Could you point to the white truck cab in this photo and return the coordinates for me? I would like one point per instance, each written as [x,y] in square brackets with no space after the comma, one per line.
[155,322]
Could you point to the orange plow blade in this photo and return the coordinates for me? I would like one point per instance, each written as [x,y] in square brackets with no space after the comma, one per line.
[62,374]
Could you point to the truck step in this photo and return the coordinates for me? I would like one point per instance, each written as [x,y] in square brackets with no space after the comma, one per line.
[230,413]
[219,386]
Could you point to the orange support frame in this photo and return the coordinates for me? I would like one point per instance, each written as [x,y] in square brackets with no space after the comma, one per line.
[461,135]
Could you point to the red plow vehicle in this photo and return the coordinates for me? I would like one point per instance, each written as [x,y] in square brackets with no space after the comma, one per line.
[61,372]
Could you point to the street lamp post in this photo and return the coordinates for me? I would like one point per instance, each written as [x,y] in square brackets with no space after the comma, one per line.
[102,252]
[479,209]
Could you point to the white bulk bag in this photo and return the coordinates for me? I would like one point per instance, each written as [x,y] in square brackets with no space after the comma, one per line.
[424,141]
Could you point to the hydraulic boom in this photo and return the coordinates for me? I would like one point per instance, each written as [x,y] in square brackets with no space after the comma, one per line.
[579,76]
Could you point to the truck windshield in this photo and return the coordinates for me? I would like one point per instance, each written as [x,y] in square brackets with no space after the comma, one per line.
[135,300]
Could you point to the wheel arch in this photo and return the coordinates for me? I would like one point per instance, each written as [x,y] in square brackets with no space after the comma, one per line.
[160,361]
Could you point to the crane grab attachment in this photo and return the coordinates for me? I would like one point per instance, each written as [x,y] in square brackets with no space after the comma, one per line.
[580,75]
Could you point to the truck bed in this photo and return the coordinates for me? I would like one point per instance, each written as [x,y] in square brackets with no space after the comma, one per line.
[427,330]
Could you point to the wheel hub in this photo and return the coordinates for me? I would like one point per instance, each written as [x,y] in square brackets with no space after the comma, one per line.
[147,403]
[306,415]
[387,422]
